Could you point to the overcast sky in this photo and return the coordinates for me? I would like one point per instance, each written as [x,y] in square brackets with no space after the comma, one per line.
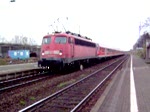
[111,23]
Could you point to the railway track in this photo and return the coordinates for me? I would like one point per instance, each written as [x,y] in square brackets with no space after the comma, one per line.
[8,81]
[13,80]
[75,96]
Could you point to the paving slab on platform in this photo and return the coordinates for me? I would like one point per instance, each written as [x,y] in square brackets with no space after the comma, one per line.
[17,67]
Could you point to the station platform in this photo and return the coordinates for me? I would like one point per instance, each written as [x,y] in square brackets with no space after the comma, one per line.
[17,67]
[129,90]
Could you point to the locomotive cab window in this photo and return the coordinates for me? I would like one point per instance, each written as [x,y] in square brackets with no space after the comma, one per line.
[46,40]
[60,40]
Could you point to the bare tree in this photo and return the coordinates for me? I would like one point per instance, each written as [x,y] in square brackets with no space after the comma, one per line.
[32,41]
[3,40]
[23,40]
[145,24]
[16,40]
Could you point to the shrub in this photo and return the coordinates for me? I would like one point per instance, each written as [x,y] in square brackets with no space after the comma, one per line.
[3,62]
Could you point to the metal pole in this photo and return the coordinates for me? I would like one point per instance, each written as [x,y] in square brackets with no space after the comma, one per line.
[52,27]
[62,24]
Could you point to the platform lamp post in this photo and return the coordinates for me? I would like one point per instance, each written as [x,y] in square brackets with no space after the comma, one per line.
[147,24]
[147,42]
[140,27]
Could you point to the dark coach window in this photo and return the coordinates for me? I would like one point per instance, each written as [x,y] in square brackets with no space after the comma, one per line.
[84,43]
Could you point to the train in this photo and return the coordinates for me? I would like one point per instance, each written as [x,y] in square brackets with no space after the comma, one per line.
[63,49]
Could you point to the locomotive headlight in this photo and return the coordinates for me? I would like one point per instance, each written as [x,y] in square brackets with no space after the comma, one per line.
[42,54]
[60,52]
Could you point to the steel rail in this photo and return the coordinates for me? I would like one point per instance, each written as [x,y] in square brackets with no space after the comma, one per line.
[23,83]
[15,74]
[23,77]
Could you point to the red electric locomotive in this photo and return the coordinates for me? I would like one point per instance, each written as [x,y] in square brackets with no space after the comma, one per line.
[61,49]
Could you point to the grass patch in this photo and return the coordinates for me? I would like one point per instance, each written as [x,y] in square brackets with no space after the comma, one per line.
[82,75]
[22,102]
[3,62]
[66,83]
[32,98]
